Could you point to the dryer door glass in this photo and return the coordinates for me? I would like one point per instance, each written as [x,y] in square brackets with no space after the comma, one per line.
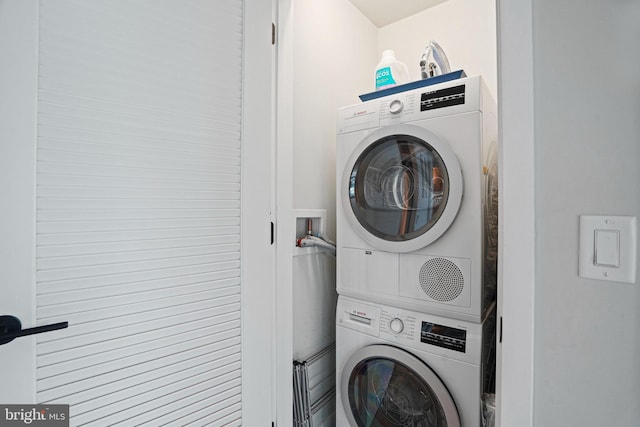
[398,187]
[385,392]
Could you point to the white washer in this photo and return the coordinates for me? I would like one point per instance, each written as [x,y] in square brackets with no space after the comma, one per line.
[396,367]
[417,199]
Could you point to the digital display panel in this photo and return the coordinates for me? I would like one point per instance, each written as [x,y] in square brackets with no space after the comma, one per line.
[443,336]
[442,98]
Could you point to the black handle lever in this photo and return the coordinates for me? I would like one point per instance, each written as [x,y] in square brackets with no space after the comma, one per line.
[11,328]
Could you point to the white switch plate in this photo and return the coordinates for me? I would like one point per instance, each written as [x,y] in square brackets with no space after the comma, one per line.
[588,265]
[607,248]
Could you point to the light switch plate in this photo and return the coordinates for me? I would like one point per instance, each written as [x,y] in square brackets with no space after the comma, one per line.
[595,235]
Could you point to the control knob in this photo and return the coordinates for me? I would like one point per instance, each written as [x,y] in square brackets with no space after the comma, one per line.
[396,106]
[396,325]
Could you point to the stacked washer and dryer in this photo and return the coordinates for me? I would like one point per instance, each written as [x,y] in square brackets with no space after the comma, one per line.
[416,256]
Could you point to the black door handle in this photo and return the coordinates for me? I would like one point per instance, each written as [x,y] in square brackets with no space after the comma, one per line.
[11,328]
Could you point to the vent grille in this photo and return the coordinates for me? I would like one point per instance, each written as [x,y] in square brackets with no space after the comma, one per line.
[441,279]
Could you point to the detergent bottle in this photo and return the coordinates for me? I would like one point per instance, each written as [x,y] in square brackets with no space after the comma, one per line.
[390,72]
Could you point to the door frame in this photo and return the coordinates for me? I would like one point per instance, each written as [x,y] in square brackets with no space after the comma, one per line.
[18,131]
[515,362]
[285,234]
[258,253]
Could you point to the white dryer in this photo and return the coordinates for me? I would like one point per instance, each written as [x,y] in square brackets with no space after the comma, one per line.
[417,199]
[396,367]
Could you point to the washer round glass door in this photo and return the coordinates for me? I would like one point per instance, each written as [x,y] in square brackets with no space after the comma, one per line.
[404,187]
[384,386]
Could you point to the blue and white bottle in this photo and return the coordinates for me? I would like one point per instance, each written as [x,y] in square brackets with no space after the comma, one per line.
[390,72]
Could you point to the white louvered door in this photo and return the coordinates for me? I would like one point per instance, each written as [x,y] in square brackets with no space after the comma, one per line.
[139,210]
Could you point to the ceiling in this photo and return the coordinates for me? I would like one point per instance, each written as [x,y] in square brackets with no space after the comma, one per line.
[385,12]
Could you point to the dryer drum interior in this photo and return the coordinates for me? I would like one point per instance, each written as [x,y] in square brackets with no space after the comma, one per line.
[394,389]
[398,187]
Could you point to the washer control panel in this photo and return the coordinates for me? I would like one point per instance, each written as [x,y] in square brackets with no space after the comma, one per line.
[397,323]
[393,109]
[455,339]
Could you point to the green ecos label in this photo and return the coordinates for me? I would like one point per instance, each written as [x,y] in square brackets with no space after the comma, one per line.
[384,77]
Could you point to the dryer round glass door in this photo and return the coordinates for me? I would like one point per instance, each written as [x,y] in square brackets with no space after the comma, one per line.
[384,386]
[403,188]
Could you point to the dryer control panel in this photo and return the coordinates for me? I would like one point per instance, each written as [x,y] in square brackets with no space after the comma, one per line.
[447,98]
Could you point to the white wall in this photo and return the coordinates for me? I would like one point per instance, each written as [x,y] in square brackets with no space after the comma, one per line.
[465,29]
[327,51]
[334,54]
[587,150]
